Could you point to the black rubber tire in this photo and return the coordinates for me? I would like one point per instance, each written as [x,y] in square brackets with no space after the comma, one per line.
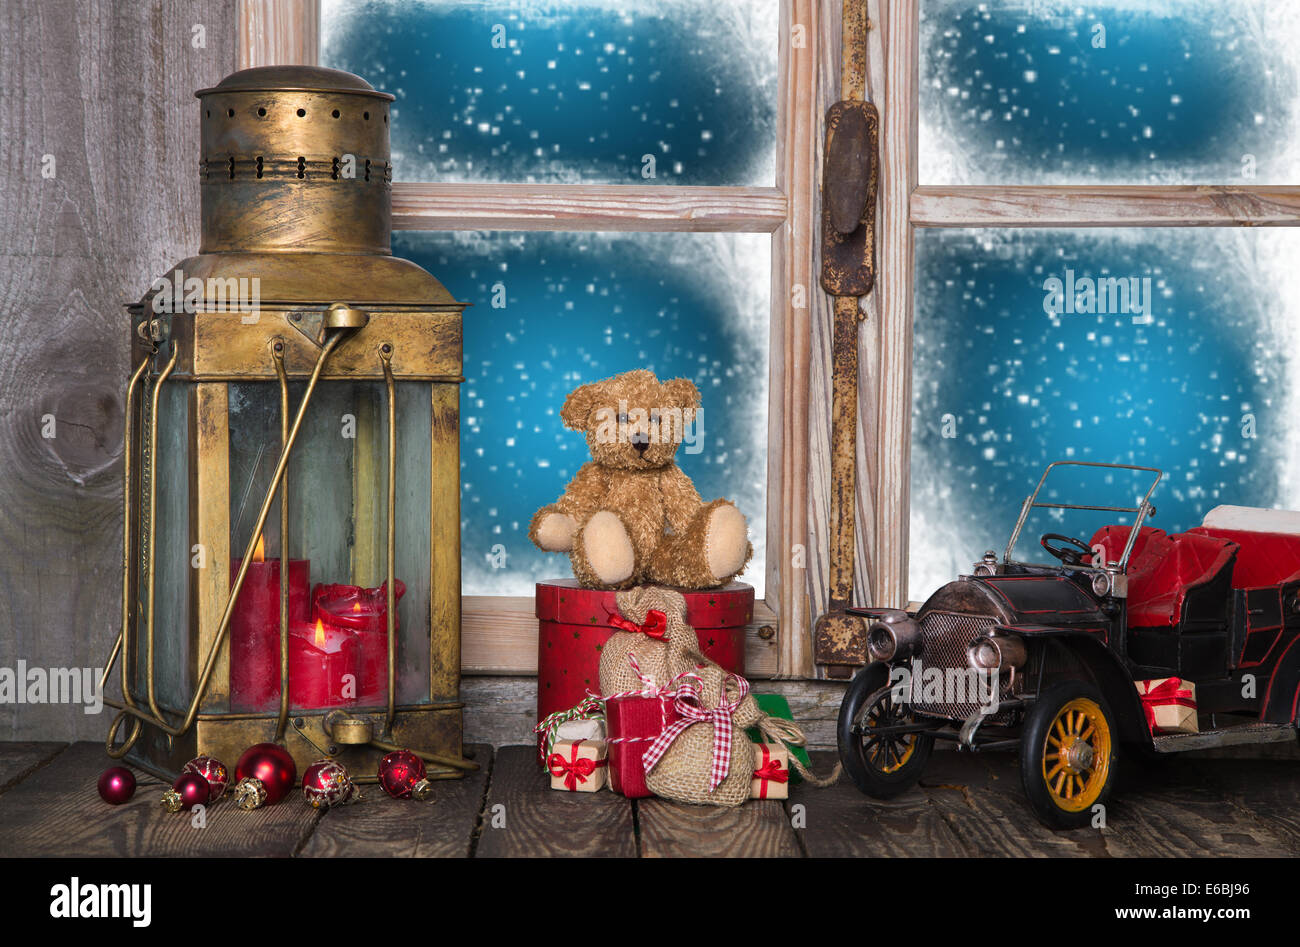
[870,779]
[1033,746]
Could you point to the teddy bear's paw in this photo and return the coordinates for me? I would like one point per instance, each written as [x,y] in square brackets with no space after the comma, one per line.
[555,532]
[725,542]
[608,548]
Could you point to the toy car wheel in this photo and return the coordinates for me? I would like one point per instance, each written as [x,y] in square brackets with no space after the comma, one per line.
[881,766]
[1068,754]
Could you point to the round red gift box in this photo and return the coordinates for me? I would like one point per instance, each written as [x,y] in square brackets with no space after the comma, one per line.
[573,626]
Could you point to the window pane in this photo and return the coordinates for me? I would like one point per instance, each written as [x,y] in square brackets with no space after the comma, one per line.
[1192,370]
[578,308]
[591,91]
[1117,91]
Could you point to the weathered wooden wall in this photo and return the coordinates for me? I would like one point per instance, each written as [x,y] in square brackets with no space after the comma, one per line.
[105,89]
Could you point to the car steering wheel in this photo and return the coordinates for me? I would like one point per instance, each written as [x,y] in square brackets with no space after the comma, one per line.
[1067,556]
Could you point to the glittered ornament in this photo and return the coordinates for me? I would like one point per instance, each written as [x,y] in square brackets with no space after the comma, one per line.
[189,790]
[214,771]
[327,783]
[265,774]
[116,785]
[401,773]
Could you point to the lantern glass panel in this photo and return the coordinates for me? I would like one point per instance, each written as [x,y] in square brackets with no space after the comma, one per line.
[337,488]
[175,558]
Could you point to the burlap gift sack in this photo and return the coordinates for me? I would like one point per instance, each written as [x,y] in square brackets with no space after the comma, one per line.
[632,661]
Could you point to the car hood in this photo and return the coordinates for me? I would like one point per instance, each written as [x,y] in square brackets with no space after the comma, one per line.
[1017,599]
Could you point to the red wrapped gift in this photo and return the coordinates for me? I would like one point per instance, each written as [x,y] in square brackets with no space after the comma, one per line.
[771,771]
[1169,704]
[573,625]
[633,723]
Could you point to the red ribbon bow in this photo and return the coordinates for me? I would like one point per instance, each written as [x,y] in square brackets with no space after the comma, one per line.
[770,769]
[656,624]
[690,712]
[1168,693]
[574,770]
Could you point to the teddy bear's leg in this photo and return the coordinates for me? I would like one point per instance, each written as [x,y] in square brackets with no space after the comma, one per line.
[603,554]
[552,530]
[711,551]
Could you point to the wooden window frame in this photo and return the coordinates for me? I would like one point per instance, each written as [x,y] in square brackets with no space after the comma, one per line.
[961,206]
[499,633]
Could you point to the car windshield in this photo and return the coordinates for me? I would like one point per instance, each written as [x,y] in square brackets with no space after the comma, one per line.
[1075,499]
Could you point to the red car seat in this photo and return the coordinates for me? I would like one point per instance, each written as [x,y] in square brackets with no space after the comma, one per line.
[1265,558]
[1163,569]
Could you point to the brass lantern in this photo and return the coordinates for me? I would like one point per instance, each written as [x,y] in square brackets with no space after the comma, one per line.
[292,455]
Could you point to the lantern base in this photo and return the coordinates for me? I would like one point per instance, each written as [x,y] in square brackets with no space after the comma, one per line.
[434,729]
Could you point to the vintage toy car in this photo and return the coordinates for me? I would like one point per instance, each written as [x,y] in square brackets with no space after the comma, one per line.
[1052,659]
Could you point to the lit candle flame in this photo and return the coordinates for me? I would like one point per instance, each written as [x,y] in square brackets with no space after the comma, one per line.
[320,634]
[356,606]
[260,551]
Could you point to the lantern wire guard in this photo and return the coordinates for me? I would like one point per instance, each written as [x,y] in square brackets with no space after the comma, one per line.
[279,203]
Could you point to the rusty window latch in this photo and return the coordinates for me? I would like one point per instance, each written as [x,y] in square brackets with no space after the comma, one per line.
[850,182]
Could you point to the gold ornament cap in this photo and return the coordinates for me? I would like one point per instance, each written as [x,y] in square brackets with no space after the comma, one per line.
[250,794]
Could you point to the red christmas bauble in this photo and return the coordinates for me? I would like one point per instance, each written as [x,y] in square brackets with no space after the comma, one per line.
[401,773]
[189,790]
[214,771]
[272,766]
[116,785]
[327,783]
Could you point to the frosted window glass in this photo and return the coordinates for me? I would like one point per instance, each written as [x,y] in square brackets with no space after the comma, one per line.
[578,308]
[580,92]
[1201,384]
[1181,92]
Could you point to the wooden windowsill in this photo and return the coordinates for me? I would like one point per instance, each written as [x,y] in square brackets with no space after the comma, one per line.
[499,636]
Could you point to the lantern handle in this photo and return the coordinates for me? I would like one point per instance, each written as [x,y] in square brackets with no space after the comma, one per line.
[277,355]
[127,706]
[153,532]
[386,359]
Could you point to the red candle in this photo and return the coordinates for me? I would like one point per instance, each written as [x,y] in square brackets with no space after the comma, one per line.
[255,629]
[365,612]
[322,665]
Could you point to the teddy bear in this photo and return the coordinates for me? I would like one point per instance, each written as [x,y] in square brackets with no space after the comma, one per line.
[630,515]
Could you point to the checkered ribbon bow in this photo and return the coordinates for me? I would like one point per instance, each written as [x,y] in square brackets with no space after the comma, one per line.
[690,712]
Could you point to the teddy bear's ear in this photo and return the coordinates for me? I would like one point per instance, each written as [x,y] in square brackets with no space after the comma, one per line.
[682,391]
[577,407]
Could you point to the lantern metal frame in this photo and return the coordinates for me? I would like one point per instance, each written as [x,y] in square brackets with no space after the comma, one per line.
[275,208]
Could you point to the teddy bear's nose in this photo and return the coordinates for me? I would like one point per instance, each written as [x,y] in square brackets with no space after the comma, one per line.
[641,442]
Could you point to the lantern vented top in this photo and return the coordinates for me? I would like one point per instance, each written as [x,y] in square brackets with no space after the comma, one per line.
[295,158]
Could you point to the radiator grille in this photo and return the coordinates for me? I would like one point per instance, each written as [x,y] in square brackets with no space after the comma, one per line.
[944,639]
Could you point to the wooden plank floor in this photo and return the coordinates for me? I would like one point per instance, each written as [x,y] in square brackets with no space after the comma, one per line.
[967,806]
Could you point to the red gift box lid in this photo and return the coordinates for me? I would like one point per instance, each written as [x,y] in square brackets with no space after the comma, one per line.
[564,602]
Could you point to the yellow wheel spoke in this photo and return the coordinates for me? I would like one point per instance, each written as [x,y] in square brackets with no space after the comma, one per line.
[1079,723]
